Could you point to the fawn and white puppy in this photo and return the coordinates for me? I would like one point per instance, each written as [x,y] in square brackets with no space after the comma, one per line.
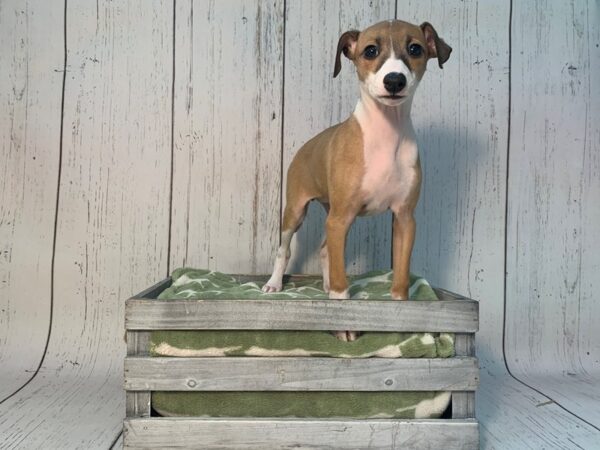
[369,162]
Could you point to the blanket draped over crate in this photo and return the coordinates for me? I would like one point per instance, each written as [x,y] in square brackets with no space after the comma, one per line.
[204,284]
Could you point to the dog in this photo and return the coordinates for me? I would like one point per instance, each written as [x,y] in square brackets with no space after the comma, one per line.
[368,163]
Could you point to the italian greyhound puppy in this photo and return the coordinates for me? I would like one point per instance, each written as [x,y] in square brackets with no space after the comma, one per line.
[369,162]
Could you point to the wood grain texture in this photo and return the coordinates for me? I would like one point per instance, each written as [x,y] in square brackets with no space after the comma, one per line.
[554,208]
[31,63]
[227,135]
[138,343]
[463,403]
[293,374]
[464,344]
[361,315]
[460,117]
[112,225]
[118,444]
[112,231]
[315,101]
[137,404]
[515,417]
[300,433]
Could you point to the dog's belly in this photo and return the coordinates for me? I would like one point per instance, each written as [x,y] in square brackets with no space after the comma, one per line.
[389,179]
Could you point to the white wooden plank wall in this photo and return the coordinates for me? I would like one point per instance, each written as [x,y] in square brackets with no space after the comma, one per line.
[553,263]
[227,134]
[178,119]
[31,61]
[112,229]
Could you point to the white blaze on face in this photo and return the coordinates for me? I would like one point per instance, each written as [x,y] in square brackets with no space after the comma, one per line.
[374,81]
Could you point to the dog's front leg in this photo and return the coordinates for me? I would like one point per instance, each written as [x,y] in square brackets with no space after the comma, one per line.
[337,227]
[404,238]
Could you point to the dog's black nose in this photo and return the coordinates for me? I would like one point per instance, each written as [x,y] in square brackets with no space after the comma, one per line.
[394,82]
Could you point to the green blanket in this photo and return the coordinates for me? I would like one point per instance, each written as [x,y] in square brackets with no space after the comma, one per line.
[204,284]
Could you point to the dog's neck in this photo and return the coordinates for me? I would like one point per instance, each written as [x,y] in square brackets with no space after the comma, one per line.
[384,123]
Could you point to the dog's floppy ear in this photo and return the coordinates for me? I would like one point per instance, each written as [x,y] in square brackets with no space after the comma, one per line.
[346,44]
[436,47]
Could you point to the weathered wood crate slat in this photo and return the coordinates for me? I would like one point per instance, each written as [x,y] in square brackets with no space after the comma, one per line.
[261,434]
[364,315]
[144,374]
[294,374]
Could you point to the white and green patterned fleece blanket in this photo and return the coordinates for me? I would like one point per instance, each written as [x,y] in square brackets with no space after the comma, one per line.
[204,284]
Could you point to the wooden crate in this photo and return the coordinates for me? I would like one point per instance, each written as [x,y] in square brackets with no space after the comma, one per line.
[144,374]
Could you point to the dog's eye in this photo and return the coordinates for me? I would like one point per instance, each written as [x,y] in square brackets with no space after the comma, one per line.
[371,52]
[415,50]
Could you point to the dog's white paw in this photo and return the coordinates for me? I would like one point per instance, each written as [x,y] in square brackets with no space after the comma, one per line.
[341,335]
[346,336]
[333,295]
[269,288]
[352,335]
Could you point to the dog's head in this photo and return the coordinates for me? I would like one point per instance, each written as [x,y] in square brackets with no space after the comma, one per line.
[391,57]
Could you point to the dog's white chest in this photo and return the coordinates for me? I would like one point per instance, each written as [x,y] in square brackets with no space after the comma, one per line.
[390,172]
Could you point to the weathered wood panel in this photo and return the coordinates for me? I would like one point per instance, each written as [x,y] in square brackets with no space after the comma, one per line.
[460,117]
[118,444]
[515,417]
[293,374]
[463,403]
[573,389]
[112,233]
[227,135]
[362,315]
[31,63]
[464,344]
[138,343]
[554,191]
[137,404]
[300,433]
[554,208]
[315,101]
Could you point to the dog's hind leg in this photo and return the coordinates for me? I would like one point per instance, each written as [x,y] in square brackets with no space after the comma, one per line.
[324,256]
[325,264]
[292,219]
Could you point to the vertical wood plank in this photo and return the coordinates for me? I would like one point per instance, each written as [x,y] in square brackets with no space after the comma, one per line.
[31,62]
[138,343]
[227,135]
[464,344]
[118,444]
[138,404]
[113,218]
[314,101]
[460,117]
[554,208]
[112,233]
[463,403]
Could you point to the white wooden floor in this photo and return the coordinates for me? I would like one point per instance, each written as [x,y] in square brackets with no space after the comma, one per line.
[513,416]
[141,135]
